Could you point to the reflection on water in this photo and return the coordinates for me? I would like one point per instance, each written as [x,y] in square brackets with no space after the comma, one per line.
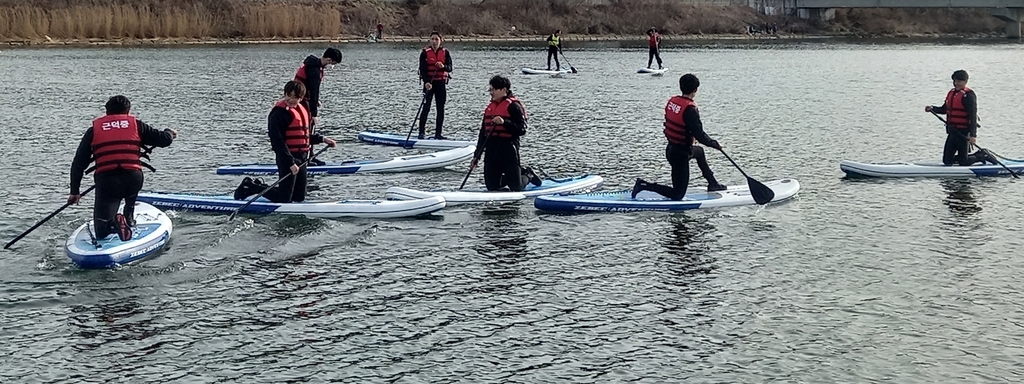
[108,321]
[687,246]
[504,245]
[960,199]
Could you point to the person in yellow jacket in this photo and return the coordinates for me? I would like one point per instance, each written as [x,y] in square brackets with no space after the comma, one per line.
[554,46]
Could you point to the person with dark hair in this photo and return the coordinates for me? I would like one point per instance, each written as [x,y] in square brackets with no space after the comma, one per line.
[380,32]
[435,64]
[961,110]
[115,143]
[682,129]
[311,75]
[653,43]
[504,123]
[290,137]
[554,47]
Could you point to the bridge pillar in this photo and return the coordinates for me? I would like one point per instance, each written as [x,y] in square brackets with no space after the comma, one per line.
[821,14]
[1013,18]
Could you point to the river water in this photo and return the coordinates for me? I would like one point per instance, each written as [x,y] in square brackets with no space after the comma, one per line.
[854,281]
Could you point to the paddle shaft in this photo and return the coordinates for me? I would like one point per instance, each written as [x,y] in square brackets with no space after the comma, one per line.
[979,148]
[254,198]
[760,192]
[414,120]
[572,68]
[471,167]
[146,150]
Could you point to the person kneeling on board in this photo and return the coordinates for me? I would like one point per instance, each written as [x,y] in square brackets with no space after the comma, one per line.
[289,130]
[961,110]
[504,123]
[116,141]
[682,128]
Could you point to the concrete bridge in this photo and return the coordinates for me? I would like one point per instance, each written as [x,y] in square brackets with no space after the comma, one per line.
[1010,11]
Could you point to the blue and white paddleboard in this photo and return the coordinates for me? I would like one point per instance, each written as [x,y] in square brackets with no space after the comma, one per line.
[324,209]
[585,183]
[927,169]
[531,71]
[398,164]
[395,139]
[650,71]
[151,233]
[650,201]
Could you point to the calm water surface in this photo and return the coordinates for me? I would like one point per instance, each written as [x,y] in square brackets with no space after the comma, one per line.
[908,281]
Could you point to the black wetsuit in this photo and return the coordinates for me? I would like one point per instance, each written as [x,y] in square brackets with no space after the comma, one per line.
[679,156]
[957,146]
[312,70]
[292,189]
[115,185]
[438,90]
[502,165]
[553,52]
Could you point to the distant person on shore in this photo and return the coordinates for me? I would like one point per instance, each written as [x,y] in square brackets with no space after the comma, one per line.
[114,142]
[435,64]
[291,138]
[504,123]
[554,47]
[682,129]
[961,110]
[380,31]
[654,44]
[512,31]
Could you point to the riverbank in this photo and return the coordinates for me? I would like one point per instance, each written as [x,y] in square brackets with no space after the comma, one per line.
[200,22]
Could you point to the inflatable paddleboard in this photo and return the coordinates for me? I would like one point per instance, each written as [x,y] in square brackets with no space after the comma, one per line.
[531,71]
[398,164]
[652,71]
[583,183]
[927,169]
[262,206]
[399,140]
[650,201]
[150,234]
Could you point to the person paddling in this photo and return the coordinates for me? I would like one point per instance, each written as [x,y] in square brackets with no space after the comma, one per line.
[289,130]
[654,45]
[435,64]
[961,110]
[503,124]
[682,128]
[554,47]
[115,143]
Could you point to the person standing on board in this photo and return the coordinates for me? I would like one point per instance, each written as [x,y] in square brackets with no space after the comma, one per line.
[554,46]
[654,43]
[961,110]
[311,75]
[504,123]
[115,140]
[435,64]
[291,139]
[682,128]
[380,31]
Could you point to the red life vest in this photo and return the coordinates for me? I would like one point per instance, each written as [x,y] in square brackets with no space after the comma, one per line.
[653,40]
[116,143]
[500,108]
[434,57]
[956,114]
[300,76]
[675,127]
[296,136]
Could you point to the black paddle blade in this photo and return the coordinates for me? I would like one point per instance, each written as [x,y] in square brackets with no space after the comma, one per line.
[760,192]
[573,69]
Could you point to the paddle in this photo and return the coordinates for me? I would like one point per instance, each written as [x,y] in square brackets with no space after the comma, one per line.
[572,68]
[471,167]
[422,103]
[254,198]
[990,153]
[146,151]
[760,192]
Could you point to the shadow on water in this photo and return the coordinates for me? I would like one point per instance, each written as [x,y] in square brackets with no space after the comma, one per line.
[963,205]
[687,246]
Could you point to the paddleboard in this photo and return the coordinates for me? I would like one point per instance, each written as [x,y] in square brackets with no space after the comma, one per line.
[927,169]
[650,201]
[477,195]
[397,164]
[151,233]
[531,71]
[395,139]
[262,206]
[652,71]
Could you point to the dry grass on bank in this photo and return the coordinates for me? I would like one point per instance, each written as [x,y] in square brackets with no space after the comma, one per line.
[141,19]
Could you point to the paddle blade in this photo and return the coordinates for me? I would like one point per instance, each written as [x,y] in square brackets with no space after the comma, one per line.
[760,192]
[573,69]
